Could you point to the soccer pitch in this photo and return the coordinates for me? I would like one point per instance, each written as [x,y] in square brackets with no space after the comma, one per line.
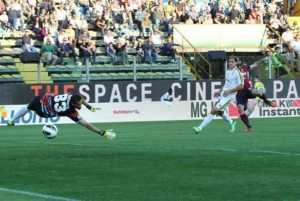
[153,161]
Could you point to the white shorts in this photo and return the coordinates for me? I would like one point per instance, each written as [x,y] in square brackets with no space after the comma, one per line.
[223,102]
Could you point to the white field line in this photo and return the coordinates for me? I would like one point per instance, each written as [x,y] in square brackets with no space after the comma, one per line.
[208,149]
[32,194]
[253,151]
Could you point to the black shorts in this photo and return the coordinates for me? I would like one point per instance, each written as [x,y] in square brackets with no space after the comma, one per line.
[243,96]
[35,105]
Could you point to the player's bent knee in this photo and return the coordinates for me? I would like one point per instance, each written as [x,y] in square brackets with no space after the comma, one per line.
[241,109]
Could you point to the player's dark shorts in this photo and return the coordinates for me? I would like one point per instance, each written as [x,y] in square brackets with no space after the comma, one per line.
[35,105]
[243,96]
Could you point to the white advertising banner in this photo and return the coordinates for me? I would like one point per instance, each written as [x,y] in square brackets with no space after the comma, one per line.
[153,111]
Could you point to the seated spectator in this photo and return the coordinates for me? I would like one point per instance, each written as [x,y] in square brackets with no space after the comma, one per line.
[67,49]
[48,52]
[15,14]
[27,42]
[150,55]
[156,38]
[109,37]
[87,51]
[111,52]
[138,19]
[147,26]
[42,33]
[84,7]
[4,25]
[70,33]
[61,15]
[167,49]
[295,45]
[121,51]
[100,25]
[4,19]
[139,52]
[84,35]
[61,36]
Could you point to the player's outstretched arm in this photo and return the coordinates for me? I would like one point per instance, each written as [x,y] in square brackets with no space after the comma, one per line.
[105,133]
[88,106]
[257,63]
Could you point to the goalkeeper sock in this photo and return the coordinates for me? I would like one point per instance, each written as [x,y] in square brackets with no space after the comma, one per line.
[101,132]
[206,121]
[21,112]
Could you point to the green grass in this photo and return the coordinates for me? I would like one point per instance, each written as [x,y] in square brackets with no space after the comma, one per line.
[156,161]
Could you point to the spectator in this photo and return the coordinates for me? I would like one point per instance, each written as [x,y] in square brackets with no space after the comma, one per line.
[70,33]
[87,51]
[150,55]
[147,26]
[4,21]
[109,37]
[139,18]
[139,52]
[167,49]
[15,14]
[121,51]
[61,16]
[27,42]
[67,49]
[100,24]
[84,7]
[111,52]
[48,52]
[235,16]
[156,38]
[295,45]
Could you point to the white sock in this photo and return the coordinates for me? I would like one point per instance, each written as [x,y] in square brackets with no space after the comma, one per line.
[206,121]
[227,118]
[21,112]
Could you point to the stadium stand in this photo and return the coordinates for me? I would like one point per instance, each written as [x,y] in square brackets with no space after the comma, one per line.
[69,35]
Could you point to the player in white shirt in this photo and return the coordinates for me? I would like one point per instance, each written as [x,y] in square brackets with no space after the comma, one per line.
[233,83]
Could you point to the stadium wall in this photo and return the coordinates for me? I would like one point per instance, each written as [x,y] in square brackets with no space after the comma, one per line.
[140,101]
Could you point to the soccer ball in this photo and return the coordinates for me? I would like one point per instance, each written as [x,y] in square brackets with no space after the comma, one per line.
[49,131]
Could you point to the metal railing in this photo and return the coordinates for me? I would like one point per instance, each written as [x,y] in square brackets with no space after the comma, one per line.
[193,58]
[84,72]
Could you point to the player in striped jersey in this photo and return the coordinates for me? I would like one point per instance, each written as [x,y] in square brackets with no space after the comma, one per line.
[248,92]
[50,105]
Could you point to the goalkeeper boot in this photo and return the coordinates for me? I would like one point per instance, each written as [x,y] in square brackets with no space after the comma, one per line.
[233,126]
[109,134]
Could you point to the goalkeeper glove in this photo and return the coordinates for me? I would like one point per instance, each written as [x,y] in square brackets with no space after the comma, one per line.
[108,134]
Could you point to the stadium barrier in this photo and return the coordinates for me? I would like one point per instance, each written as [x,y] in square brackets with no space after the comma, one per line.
[140,101]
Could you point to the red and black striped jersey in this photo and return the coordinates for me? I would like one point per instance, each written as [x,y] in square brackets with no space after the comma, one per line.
[245,71]
[58,105]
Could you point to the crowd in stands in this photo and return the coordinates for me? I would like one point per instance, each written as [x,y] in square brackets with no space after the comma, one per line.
[143,25]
